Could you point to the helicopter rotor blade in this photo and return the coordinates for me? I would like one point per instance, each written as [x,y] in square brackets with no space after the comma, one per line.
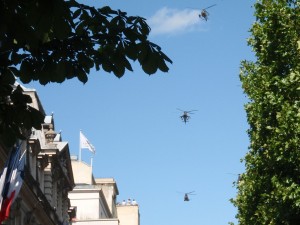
[191,111]
[233,173]
[180,110]
[209,6]
[190,193]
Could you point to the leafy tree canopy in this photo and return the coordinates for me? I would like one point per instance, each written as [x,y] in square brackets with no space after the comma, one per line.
[51,41]
[269,189]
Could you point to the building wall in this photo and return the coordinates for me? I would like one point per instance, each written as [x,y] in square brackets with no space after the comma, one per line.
[87,202]
[98,222]
[110,191]
[88,196]
[82,171]
[128,214]
[51,174]
[48,177]
[105,191]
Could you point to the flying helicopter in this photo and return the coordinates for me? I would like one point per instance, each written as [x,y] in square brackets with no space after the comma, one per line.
[186,196]
[185,116]
[204,14]
[239,177]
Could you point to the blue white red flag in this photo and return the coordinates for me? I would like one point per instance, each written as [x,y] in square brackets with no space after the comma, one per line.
[11,181]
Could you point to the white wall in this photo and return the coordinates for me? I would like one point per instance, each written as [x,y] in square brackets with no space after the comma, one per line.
[96,222]
[87,203]
[128,214]
[82,172]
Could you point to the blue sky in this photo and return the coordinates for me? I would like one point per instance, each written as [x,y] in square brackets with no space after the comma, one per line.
[135,126]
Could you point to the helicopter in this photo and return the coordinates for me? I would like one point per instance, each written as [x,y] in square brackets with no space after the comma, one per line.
[239,177]
[204,14]
[186,196]
[185,116]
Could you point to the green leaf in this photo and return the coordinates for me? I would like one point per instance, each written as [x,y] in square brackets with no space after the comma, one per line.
[150,66]
[119,71]
[107,66]
[37,118]
[76,13]
[131,34]
[82,76]
[85,61]
[61,71]
[51,41]
[61,29]
[26,70]
[16,58]
[131,51]
[107,10]
[8,76]
[162,65]
[127,64]
[143,54]
[145,28]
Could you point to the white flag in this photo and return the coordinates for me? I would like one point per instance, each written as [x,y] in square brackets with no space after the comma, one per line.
[84,143]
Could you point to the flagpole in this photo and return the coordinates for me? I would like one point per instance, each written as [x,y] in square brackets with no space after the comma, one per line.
[92,168]
[79,146]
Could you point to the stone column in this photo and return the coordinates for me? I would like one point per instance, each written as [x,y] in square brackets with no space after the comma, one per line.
[65,208]
[48,187]
[59,199]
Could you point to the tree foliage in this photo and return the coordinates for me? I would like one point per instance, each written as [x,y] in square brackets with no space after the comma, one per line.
[51,41]
[269,189]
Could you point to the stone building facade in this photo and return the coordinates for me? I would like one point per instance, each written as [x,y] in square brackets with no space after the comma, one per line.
[43,198]
[128,213]
[58,190]
[96,200]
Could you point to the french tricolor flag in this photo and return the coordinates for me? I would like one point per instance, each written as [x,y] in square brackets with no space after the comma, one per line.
[11,181]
